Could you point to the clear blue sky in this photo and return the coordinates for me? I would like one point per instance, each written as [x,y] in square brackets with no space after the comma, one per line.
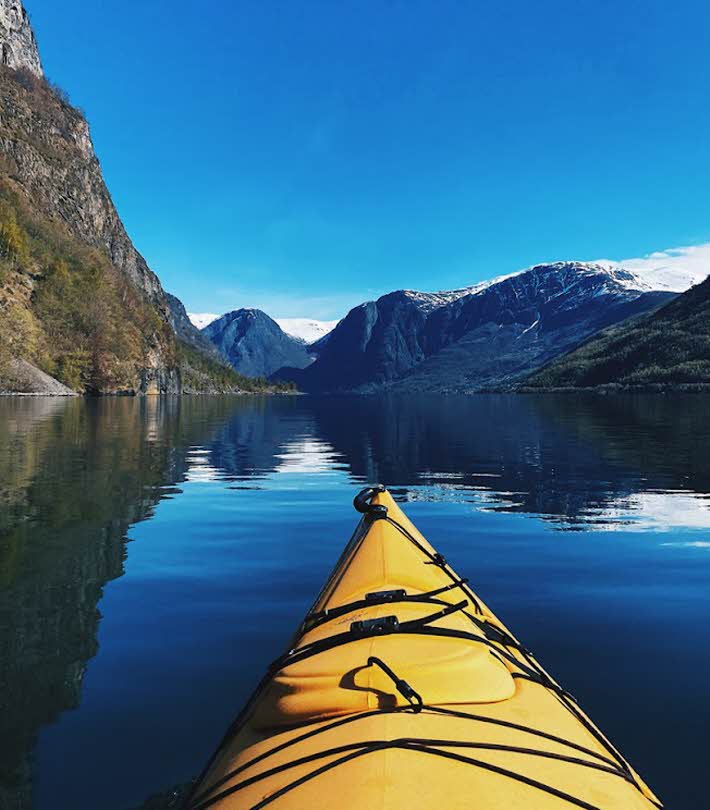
[303,156]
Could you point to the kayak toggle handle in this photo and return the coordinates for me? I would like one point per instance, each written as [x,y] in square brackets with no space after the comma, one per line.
[401,685]
[394,595]
[363,502]
[370,627]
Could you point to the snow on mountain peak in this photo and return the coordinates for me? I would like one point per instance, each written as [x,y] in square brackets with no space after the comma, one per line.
[307,330]
[202,319]
[674,270]
[429,301]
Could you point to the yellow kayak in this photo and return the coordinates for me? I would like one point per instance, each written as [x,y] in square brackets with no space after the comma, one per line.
[402,690]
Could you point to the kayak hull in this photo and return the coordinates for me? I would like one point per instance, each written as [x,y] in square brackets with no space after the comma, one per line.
[402,689]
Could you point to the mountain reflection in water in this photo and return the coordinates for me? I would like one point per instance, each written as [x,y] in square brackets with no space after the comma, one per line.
[259,491]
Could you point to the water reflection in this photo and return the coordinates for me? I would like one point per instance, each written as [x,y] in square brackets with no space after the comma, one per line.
[307,455]
[75,475]
[581,463]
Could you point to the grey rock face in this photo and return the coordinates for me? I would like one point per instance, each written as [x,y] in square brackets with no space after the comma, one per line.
[474,339]
[47,147]
[26,378]
[18,47]
[375,343]
[255,344]
[186,331]
[47,157]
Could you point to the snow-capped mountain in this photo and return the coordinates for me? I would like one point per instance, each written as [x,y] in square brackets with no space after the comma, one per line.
[674,270]
[666,349]
[429,301]
[202,319]
[307,330]
[481,336]
[486,335]
[659,272]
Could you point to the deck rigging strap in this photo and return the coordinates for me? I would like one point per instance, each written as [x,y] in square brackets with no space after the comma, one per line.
[422,745]
[378,598]
[435,559]
[354,718]
[382,626]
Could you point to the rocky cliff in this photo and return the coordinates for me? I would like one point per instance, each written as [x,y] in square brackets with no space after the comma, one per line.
[48,153]
[186,331]
[77,300]
[18,47]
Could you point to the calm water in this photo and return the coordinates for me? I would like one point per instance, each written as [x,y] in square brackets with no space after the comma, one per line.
[156,554]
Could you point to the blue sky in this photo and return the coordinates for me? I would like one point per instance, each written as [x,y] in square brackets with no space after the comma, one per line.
[305,156]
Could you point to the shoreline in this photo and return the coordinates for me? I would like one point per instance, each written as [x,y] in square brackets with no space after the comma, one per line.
[616,388]
[141,394]
[612,390]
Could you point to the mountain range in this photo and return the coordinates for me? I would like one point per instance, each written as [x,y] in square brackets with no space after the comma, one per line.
[491,335]
[81,311]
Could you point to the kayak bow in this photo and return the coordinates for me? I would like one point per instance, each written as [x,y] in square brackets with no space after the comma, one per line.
[402,690]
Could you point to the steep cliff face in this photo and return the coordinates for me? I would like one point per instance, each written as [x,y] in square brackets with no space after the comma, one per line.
[48,153]
[18,47]
[77,300]
[186,331]
[375,343]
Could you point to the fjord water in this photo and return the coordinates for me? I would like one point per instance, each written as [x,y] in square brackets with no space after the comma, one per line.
[157,553]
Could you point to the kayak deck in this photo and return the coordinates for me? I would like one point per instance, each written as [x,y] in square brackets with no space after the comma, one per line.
[403,690]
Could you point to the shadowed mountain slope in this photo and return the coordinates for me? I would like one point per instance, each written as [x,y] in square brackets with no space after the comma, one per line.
[486,336]
[670,347]
[254,344]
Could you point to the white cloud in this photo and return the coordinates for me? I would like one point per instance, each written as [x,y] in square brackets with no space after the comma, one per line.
[674,269]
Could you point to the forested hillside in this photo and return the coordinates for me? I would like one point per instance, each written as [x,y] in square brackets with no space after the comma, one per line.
[670,347]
